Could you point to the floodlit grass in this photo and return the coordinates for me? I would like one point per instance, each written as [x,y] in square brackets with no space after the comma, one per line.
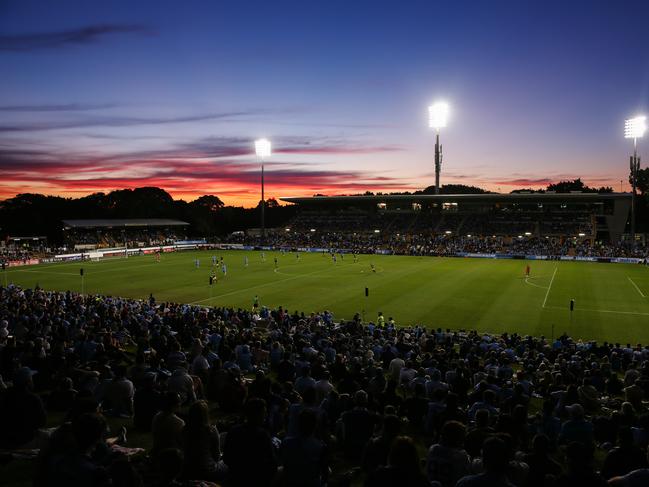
[611,300]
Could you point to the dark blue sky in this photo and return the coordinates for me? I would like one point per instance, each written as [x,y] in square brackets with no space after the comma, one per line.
[98,95]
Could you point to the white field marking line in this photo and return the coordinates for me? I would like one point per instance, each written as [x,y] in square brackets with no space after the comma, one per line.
[46,272]
[601,311]
[527,281]
[258,286]
[549,287]
[636,287]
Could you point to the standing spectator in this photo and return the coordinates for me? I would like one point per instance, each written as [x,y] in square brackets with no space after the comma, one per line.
[357,426]
[378,448]
[447,461]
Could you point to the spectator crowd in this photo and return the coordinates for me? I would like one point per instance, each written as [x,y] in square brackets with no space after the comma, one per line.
[442,245]
[258,397]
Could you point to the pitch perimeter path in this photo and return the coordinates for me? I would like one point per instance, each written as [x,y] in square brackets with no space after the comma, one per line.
[484,294]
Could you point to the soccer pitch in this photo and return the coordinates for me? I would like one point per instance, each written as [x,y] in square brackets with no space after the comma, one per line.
[611,300]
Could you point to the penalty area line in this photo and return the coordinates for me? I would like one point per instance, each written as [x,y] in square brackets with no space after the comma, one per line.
[547,293]
[636,287]
[601,311]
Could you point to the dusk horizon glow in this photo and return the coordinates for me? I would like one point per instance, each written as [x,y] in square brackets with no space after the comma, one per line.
[112,96]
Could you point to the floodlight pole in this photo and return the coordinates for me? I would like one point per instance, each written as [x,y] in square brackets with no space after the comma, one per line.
[438,161]
[635,167]
[263,204]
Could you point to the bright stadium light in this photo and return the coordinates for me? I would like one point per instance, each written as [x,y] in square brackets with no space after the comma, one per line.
[634,128]
[262,148]
[437,119]
[438,115]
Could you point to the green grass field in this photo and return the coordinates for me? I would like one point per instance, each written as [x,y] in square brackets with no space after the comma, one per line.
[612,300]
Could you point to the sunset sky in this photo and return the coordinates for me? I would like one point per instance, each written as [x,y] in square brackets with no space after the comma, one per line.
[96,96]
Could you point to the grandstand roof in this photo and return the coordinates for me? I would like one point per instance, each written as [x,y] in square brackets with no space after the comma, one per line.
[477,198]
[125,222]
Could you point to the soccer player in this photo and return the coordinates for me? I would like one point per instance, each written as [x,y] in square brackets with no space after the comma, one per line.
[224,269]
[197,263]
[214,260]
[372,267]
[333,257]
[297,255]
[275,262]
[263,257]
[255,302]
[355,258]
[245,261]
[527,270]
[157,256]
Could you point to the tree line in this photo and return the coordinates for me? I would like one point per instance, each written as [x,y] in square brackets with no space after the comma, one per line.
[31,214]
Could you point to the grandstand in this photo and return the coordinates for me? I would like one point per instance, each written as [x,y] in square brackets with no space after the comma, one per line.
[113,233]
[588,216]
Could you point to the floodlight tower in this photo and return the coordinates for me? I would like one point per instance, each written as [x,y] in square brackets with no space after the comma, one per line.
[437,118]
[262,149]
[634,128]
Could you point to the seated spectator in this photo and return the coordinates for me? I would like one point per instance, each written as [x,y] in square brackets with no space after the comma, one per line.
[182,383]
[146,402]
[62,398]
[624,458]
[495,461]
[167,427]
[119,394]
[201,445]
[76,466]
[171,465]
[543,470]
[303,456]
[576,429]
[403,467]
[21,412]
[580,468]
[249,453]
